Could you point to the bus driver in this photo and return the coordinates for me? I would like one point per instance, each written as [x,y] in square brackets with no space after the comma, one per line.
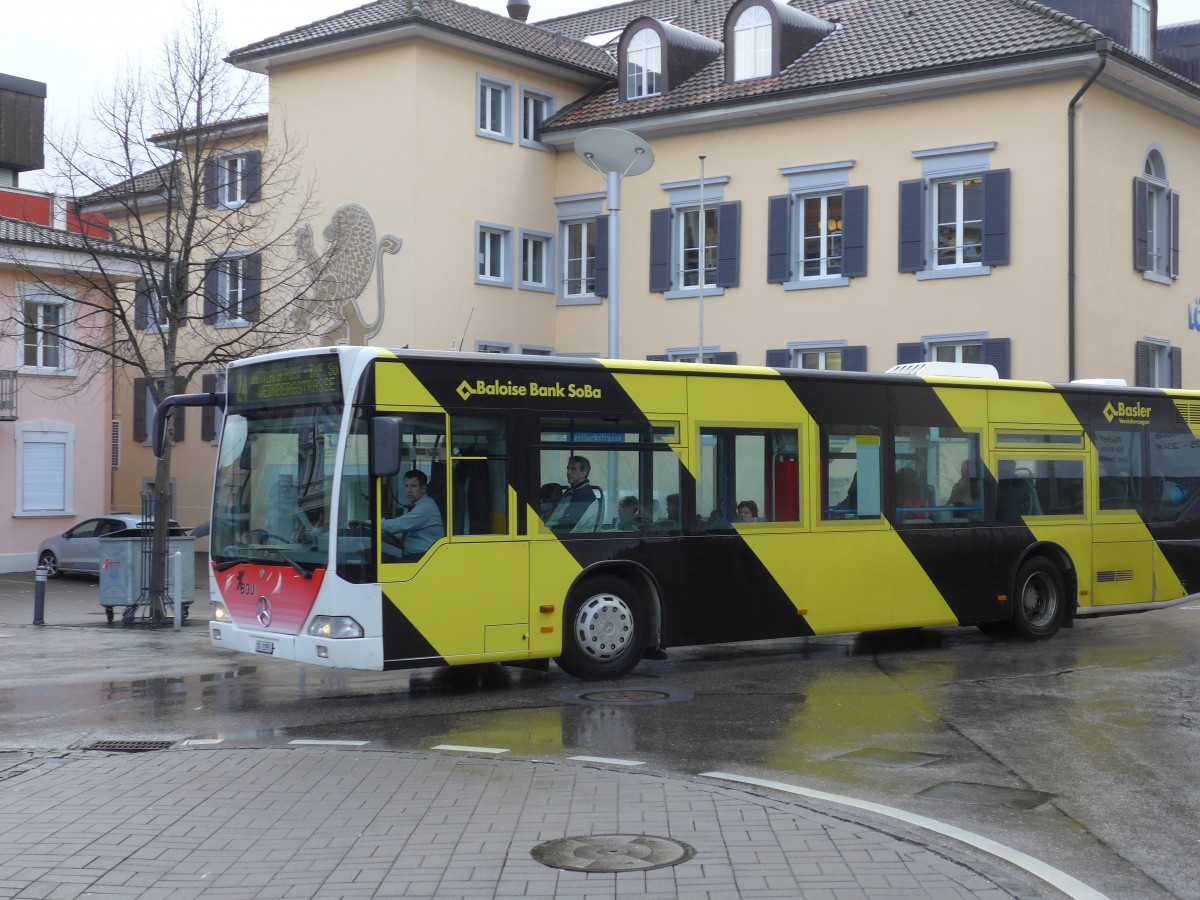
[421,524]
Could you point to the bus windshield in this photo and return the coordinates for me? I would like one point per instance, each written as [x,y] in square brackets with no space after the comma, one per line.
[274,486]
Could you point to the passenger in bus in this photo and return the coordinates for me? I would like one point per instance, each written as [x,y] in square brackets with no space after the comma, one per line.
[910,499]
[629,514]
[574,507]
[966,490]
[747,511]
[548,498]
[421,525]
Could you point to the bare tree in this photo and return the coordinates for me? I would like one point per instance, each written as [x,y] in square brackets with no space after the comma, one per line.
[177,161]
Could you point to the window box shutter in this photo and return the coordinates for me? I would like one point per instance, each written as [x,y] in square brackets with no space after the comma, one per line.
[660,250]
[724,358]
[912,226]
[854,232]
[779,239]
[252,277]
[141,304]
[779,359]
[854,359]
[729,229]
[1176,359]
[996,217]
[1174,232]
[212,171]
[910,353]
[253,176]
[600,275]
[998,352]
[212,306]
[1142,353]
[139,410]
[1141,225]
[208,414]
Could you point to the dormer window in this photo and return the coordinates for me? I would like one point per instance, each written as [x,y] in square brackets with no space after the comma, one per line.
[1141,31]
[752,44]
[643,64]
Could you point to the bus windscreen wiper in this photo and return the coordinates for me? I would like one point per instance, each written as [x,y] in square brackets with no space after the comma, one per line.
[250,560]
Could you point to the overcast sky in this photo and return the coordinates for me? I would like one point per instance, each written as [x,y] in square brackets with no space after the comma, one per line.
[73,46]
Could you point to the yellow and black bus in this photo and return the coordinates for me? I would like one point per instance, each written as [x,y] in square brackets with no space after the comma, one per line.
[380,509]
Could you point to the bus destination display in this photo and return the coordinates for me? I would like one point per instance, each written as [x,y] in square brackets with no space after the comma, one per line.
[283,382]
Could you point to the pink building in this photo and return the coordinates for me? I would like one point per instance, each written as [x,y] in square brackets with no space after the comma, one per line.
[56,440]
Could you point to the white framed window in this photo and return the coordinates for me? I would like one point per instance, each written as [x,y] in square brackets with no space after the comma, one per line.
[643,65]
[697,248]
[537,261]
[820,234]
[44,350]
[231,287]
[579,259]
[1140,32]
[752,44]
[536,108]
[957,351]
[494,113]
[958,221]
[493,255]
[691,354]
[45,479]
[1157,364]
[827,359]
[1155,221]
[231,186]
[535,350]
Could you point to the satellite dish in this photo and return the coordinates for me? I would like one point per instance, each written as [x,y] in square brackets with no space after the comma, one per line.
[614,150]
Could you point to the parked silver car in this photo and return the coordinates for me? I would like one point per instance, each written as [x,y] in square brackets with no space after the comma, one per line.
[78,548]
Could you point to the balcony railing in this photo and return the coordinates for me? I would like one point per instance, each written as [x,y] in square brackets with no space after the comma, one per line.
[8,396]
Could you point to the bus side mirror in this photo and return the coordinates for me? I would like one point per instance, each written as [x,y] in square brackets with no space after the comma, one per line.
[385,446]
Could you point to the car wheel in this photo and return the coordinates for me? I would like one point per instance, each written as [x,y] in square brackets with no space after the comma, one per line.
[49,562]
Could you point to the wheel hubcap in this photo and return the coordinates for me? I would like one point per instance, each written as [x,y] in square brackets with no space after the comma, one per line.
[1039,599]
[604,626]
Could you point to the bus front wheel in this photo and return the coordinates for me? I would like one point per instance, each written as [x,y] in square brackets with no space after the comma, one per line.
[1040,600]
[605,629]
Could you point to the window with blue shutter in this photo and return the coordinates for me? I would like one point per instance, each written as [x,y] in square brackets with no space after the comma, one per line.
[729,218]
[998,352]
[854,232]
[779,239]
[660,250]
[854,359]
[1155,222]
[779,359]
[910,353]
[995,217]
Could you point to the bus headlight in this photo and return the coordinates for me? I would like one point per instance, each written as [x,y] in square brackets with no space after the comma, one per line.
[220,613]
[335,627]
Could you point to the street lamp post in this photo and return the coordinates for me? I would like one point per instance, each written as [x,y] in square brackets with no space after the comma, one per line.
[614,153]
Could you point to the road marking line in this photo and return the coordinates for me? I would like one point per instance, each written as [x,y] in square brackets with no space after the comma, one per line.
[203,742]
[330,743]
[608,760]
[1070,886]
[463,749]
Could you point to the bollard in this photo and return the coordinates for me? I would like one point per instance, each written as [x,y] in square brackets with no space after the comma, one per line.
[177,574]
[39,596]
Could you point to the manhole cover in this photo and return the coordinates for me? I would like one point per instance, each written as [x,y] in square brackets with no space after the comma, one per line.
[130,746]
[899,759]
[986,795]
[628,696]
[612,853]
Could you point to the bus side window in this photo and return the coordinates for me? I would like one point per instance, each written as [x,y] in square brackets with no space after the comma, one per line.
[850,472]
[479,474]
[747,476]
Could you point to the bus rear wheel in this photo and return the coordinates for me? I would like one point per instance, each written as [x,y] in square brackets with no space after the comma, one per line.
[1039,601]
[605,629]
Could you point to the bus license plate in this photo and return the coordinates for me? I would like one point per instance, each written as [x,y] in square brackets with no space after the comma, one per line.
[267,647]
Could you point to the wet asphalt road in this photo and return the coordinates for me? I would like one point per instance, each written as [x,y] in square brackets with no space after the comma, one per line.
[1083,751]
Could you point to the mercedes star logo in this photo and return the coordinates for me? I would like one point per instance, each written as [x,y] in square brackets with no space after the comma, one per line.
[264,612]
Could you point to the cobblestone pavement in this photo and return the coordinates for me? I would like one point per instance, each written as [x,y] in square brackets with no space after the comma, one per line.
[319,822]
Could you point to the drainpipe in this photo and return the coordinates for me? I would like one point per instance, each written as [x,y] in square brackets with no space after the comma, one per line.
[1102,50]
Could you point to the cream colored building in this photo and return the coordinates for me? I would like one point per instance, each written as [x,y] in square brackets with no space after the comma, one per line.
[975,180]
[991,180]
